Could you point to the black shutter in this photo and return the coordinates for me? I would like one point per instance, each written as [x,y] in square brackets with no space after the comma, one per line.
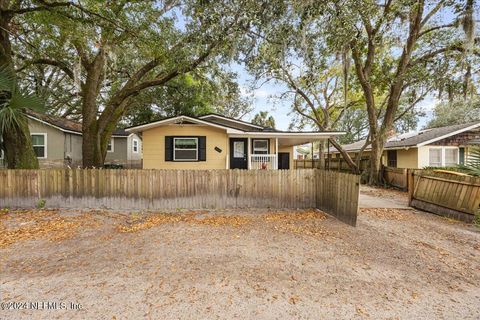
[168,148]
[202,148]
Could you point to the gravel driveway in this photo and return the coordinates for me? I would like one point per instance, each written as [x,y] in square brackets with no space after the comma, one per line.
[237,264]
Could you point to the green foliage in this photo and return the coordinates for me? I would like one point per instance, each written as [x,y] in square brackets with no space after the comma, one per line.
[41,203]
[465,111]
[14,102]
[264,119]
[476,219]
[193,94]
[473,162]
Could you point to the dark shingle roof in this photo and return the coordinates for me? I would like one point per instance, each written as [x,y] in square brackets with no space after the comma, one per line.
[413,138]
[66,124]
[233,123]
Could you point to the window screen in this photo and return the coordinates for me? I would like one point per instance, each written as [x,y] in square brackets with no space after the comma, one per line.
[38,143]
[451,157]
[435,157]
[185,149]
[260,146]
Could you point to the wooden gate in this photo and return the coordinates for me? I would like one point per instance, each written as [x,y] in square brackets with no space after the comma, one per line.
[448,195]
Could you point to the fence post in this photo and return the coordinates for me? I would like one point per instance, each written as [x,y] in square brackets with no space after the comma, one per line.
[410,185]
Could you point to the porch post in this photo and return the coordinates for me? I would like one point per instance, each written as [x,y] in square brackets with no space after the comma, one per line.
[276,152]
[227,151]
[248,154]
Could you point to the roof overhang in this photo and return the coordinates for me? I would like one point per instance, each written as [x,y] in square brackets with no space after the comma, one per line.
[176,120]
[52,125]
[474,126]
[290,138]
[231,120]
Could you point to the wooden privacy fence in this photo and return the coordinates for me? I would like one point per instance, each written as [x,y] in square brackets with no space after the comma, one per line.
[333,164]
[396,177]
[337,193]
[448,195]
[334,192]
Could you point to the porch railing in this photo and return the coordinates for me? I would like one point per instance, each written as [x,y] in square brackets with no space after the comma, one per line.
[263,161]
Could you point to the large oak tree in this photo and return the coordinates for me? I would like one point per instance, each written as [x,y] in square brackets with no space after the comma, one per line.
[116,51]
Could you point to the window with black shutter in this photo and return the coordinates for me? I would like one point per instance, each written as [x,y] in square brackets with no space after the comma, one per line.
[181,148]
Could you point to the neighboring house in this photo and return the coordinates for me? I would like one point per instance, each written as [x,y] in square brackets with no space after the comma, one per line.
[58,142]
[217,142]
[436,147]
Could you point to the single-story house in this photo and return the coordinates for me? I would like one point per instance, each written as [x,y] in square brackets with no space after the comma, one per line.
[217,142]
[58,143]
[435,147]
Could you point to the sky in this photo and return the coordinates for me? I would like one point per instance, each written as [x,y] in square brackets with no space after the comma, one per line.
[262,100]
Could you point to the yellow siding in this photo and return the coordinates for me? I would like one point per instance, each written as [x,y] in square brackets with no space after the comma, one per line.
[407,158]
[154,147]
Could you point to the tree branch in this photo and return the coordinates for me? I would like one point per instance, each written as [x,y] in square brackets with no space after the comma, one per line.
[61,65]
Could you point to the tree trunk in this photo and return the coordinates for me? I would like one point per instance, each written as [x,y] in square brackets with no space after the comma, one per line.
[18,148]
[17,143]
[375,170]
[322,147]
[91,147]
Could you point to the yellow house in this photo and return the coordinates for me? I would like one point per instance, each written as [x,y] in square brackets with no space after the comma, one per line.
[435,147]
[217,142]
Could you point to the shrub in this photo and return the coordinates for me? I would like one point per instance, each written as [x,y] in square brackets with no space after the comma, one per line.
[41,203]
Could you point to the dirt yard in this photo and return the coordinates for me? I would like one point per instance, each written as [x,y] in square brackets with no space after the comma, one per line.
[237,264]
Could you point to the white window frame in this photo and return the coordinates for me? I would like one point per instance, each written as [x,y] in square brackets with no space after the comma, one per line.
[442,155]
[253,144]
[133,145]
[45,142]
[184,138]
[112,140]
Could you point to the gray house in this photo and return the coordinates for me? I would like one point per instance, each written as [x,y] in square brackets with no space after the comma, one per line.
[58,143]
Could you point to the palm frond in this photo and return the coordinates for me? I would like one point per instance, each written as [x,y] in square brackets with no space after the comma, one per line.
[26,101]
[7,79]
[473,161]
[13,101]
[9,118]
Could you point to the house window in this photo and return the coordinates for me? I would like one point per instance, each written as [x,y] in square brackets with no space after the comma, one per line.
[392,158]
[451,157]
[260,146]
[185,149]
[39,143]
[238,149]
[110,146]
[135,146]
[435,157]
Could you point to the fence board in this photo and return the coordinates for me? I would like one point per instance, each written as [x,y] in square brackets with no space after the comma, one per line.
[333,192]
[449,195]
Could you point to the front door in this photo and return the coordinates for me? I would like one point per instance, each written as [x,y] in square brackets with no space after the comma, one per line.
[238,153]
[283,160]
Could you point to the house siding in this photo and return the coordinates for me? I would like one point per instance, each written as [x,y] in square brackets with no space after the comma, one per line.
[119,154]
[407,158]
[61,145]
[132,156]
[154,147]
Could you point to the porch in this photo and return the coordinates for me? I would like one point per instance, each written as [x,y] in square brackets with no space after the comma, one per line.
[268,150]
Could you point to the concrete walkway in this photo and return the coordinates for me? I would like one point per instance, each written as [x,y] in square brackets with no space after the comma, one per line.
[382,198]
